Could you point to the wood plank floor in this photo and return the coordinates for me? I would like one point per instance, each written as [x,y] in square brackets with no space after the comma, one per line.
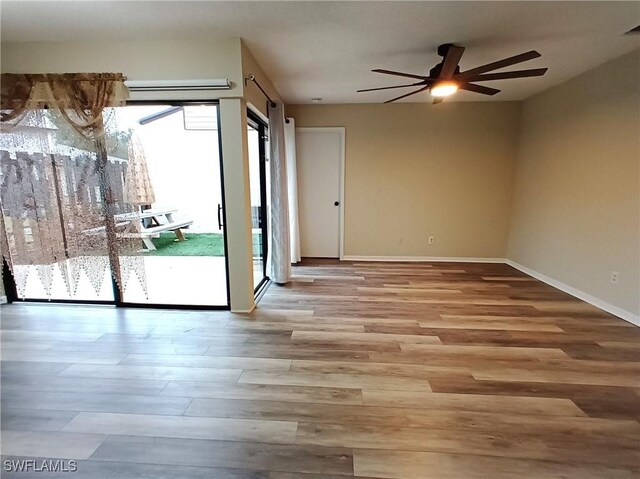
[417,371]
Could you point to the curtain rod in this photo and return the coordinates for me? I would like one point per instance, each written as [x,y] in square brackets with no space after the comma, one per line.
[253,79]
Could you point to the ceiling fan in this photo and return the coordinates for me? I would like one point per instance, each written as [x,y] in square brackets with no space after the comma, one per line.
[446,78]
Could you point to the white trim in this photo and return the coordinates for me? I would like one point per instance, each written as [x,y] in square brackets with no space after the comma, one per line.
[598,303]
[341,130]
[424,259]
[243,311]
[342,170]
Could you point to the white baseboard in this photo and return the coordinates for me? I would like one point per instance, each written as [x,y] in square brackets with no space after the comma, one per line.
[424,259]
[598,303]
[243,311]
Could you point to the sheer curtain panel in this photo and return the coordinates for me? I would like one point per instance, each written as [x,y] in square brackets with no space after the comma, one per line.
[292,181]
[65,182]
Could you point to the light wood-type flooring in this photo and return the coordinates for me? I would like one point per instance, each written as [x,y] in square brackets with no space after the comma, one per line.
[372,370]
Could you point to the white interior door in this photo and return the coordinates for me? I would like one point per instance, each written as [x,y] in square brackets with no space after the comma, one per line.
[320,154]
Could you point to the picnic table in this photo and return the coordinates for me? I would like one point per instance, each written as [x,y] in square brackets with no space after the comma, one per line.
[145,225]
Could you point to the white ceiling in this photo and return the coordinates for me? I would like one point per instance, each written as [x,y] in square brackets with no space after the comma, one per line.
[327,49]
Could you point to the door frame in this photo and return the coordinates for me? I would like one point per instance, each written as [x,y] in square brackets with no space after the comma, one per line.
[342,132]
[261,126]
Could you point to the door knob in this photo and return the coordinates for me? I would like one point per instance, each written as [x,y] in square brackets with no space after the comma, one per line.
[336,203]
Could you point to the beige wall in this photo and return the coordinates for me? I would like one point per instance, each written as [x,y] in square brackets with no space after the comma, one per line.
[418,170]
[148,60]
[576,213]
[138,60]
[252,93]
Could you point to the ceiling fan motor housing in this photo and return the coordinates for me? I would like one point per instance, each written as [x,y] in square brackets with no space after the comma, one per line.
[444,48]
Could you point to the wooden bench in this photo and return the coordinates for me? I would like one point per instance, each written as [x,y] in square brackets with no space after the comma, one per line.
[147,233]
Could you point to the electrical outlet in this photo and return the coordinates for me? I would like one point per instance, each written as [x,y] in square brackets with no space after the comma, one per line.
[432,239]
[614,277]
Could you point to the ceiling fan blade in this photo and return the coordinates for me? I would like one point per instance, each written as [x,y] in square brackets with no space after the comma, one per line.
[408,94]
[485,90]
[523,57]
[437,100]
[454,54]
[390,87]
[536,72]
[400,74]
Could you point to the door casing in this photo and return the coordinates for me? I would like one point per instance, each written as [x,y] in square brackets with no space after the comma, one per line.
[341,131]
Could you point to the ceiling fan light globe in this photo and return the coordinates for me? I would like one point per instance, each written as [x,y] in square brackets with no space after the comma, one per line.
[443,89]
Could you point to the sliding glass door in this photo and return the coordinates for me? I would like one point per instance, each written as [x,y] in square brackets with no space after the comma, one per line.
[257,134]
[136,218]
[174,157]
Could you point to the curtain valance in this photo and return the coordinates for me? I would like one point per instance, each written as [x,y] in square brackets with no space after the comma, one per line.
[80,97]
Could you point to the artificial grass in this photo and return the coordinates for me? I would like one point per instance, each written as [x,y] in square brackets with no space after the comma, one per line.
[196,244]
